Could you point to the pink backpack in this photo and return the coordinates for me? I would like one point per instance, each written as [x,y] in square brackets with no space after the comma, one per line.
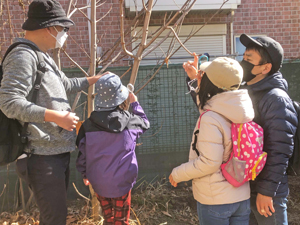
[247,158]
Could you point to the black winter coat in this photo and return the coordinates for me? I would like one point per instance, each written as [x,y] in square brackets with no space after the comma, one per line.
[274,111]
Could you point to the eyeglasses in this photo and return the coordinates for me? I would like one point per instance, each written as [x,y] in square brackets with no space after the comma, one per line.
[65,29]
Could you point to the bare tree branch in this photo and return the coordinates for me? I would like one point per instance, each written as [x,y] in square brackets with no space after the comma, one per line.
[69,8]
[175,35]
[112,61]
[76,64]
[125,72]
[80,10]
[169,56]
[81,195]
[82,49]
[122,31]
[104,15]
[9,22]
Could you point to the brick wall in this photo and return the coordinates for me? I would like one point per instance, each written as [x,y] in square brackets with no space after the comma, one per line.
[275,18]
[278,19]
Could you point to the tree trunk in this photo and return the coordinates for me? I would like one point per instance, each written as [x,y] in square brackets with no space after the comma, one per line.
[91,90]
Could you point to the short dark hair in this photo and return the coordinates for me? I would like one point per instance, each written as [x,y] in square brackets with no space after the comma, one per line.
[265,58]
[207,90]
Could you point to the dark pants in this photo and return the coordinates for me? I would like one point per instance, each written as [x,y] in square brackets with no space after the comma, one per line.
[48,178]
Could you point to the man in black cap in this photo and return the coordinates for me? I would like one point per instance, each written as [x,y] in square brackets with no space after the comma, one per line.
[51,134]
[274,111]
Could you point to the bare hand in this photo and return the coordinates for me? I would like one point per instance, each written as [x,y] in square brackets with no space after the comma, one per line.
[264,204]
[132,97]
[191,67]
[86,182]
[66,120]
[99,75]
[94,79]
[173,183]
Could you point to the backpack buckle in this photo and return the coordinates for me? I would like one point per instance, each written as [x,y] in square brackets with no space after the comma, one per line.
[42,66]
[24,139]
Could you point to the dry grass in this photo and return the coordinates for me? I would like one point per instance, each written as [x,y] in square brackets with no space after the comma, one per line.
[153,203]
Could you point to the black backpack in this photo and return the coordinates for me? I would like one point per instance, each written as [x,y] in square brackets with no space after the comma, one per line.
[294,162]
[13,137]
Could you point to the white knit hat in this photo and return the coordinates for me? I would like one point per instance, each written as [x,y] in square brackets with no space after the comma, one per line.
[223,72]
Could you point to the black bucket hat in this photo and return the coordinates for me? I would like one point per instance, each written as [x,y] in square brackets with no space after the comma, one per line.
[46,13]
[272,47]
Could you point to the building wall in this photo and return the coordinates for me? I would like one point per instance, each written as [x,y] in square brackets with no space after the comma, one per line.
[276,18]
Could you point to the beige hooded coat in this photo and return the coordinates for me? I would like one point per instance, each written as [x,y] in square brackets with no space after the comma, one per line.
[215,145]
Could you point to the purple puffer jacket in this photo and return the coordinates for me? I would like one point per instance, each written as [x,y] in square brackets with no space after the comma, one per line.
[106,143]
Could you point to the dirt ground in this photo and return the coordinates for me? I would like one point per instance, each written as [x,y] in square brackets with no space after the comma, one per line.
[154,203]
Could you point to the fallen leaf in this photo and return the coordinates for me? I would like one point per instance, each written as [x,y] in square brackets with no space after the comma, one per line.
[166,213]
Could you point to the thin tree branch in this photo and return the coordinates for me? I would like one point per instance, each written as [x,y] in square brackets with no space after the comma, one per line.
[175,35]
[125,72]
[4,187]
[112,61]
[9,22]
[122,31]
[76,64]
[104,15]
[171,20]
[151,78]
[81,195]
[69,8]
[80,9]
[76,101]
[82,49]
[167,58]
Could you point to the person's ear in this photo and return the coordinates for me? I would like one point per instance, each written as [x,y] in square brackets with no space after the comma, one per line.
[267,68]
[48,30]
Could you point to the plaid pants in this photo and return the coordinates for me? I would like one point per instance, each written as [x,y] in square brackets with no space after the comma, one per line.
[116,210]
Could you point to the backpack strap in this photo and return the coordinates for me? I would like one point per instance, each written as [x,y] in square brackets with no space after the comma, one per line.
[196,133]
[41,69]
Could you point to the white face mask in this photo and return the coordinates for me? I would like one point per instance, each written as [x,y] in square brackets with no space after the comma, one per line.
[61,37]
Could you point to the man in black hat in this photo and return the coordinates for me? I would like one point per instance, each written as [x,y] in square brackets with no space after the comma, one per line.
[274,111]
[51,134]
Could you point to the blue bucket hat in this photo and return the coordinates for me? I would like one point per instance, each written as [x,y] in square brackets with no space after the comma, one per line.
[110,92]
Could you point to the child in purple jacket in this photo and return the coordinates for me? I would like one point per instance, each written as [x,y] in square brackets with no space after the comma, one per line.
[106,143]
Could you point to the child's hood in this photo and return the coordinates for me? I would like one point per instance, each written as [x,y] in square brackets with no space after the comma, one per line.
[234,105]
[111,121]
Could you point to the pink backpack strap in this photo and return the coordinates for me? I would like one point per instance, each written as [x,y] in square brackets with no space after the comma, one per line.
[201,116]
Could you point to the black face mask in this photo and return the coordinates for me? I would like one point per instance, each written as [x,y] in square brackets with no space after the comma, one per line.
[247,68]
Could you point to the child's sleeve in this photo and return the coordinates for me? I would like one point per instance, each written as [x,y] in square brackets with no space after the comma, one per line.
[81,160]
[140,119]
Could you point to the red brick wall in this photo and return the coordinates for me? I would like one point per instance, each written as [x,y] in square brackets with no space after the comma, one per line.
[274,18]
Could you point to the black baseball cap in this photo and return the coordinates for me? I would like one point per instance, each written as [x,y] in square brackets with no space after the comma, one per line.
[272,47]
[46,13]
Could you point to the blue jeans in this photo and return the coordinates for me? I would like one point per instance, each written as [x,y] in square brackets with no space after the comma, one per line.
[277,218]
[233,214]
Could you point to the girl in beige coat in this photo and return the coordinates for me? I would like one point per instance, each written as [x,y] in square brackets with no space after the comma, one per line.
[218,202]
